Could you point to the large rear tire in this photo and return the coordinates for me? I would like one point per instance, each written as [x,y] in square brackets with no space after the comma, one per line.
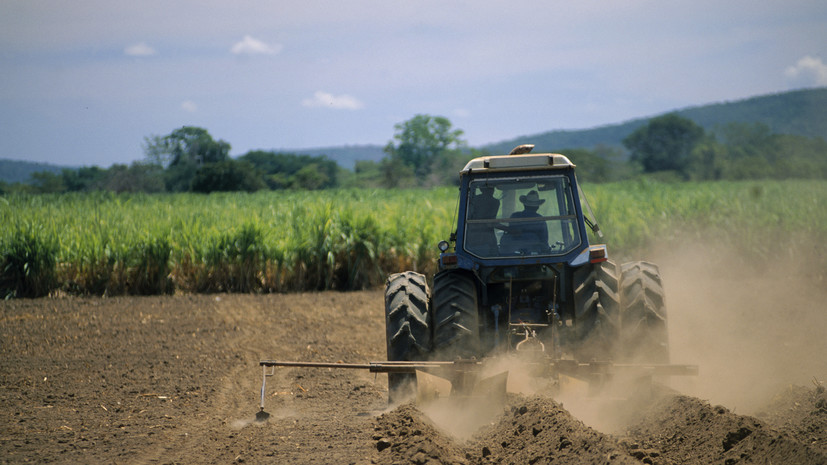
[644,335]
[597,308]
[407,331]
[456,316]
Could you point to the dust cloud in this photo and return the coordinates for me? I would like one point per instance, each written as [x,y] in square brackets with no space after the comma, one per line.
[752,328]
[461,418]
[464,415]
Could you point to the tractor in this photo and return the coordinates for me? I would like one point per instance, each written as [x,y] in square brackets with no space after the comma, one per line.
[519,274]
[519,277]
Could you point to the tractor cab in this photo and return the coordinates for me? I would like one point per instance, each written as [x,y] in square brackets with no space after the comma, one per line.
[519,209]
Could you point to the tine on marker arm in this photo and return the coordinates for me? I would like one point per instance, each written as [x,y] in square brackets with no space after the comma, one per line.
[262,415]
[264,376]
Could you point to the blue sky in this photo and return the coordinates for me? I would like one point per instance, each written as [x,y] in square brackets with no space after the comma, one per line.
[83,82]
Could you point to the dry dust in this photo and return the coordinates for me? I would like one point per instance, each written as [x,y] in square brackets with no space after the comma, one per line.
[752,329]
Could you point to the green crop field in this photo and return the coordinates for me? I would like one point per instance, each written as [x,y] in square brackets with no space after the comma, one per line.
[108,244]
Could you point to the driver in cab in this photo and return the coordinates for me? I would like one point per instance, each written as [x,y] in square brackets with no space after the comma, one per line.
[527,236]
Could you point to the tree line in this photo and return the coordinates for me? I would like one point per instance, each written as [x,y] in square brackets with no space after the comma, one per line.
[671,146]
[428,151]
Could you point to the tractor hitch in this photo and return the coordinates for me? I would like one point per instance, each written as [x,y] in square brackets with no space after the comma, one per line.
[467,378]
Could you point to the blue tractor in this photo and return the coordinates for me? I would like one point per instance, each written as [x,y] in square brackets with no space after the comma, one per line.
[519,274]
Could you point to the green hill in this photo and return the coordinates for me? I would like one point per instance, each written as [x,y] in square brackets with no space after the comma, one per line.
[12,171]
[800,112]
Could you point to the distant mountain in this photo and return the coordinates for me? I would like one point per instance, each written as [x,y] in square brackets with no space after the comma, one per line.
[800,112]
[12,171]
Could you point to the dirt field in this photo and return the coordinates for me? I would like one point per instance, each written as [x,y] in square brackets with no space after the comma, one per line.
[176,380]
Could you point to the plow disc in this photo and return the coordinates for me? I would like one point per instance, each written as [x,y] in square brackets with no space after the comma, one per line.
[430,387]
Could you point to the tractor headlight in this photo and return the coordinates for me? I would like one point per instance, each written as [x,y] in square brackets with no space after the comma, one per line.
[442,246]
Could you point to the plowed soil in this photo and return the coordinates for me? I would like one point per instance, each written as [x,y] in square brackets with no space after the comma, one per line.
[175,379]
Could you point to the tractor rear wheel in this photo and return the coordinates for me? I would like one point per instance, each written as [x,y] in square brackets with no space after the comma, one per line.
[407,331]
[597,307]
[456,316]
[644,335]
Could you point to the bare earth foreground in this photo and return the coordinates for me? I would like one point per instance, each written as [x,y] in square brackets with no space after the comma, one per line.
[176,380]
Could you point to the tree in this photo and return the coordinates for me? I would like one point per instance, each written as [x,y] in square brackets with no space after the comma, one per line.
[423,141]
[753,151]
[287,170]
[87,178]
[706,162]
[749,151]
[309,177]
[365,174]
[395,173]
[182,153]
[185,145]
[137,177]
[665,143]
[228,175]
[48,183]
[801,157]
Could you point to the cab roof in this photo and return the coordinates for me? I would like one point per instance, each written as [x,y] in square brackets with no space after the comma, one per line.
[535,161]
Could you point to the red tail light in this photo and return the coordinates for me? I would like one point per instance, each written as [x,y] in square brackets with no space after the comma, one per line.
[449,259]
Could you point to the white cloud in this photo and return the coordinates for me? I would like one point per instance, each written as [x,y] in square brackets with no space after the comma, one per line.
[808,71]
[139,50]
[189,106]
[338,102]
[252,46]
